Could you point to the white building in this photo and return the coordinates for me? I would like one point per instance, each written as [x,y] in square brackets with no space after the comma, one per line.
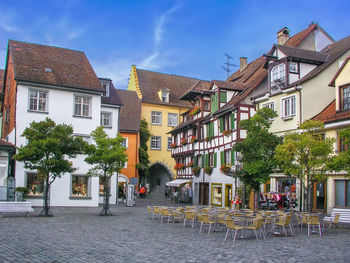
[44,81]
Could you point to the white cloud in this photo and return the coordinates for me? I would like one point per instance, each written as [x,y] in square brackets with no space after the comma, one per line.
[7,18]
[159,28]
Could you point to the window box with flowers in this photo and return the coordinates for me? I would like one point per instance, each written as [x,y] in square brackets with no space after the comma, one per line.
[194,111]
[196,170]
[179,166]
[190,164]
[183,141]
[208,170]
[225,168]
[173,145]
[227,132]
[194,139]
[208,138]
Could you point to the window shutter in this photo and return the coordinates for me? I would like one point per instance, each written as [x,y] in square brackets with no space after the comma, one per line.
[222,157]
[233,124]
[207,160]
[223,96]
[211,129]
[215,159]
[195,161]
[221,125]
[232,157]
[203,160]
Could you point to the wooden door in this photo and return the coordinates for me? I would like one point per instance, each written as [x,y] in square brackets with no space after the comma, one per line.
[228,195]
[319,202]
[204,193]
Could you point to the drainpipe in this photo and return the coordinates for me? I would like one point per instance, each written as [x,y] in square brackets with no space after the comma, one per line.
[300,105]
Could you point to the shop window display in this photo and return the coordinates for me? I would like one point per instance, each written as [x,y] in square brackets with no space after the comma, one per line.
[80,186]
[35,186]
[216,194]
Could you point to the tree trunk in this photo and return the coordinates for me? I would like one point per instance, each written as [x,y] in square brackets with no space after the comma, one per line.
[106,211]
[46,209]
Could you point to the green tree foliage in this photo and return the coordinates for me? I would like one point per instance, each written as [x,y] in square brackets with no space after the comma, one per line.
[107,156]
[48,148]
[305,154]
[341,162]
[144,162]
[258,148]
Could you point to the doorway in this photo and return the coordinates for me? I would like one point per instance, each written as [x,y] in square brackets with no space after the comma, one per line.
[319,203]
[204,193]
[228,195]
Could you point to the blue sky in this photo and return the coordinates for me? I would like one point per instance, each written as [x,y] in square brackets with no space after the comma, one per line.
[184,37]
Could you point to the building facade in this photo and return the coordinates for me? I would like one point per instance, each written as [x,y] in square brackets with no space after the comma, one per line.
[44,81]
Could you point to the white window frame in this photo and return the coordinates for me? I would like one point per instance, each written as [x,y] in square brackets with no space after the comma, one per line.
[105,113]
[125,143]
[165,96]
[38,100]
[276,73]
[171,118]
[288,107]
[169,143]
[270,105]
[81,113]
[211,159]
[107,88]
[227,156]
[291,69]
[155,140]
[155,115]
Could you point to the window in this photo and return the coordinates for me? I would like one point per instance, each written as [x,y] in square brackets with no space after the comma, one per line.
[82,106]
[106,119]
[165,95]
[343,146]
[199,160]
[156,118]
[278,77]
[172,119]
[38,100]
[155,142]
[345,98]
[227,157]
[288,107]
[270,105]
[293,67]
[342,193]
[207,105]
[169,143]
[80,186]
[34,185]
[125,143]
[106,87]
[211,159]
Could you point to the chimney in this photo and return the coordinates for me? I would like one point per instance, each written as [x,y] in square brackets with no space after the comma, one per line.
[242,63]
[283,36]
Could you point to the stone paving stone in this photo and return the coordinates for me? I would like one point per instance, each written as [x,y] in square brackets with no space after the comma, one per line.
[80,235]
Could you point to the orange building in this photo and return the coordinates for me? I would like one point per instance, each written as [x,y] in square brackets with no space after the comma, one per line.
[129,127]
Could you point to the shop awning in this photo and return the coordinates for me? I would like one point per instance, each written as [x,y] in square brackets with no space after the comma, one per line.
[177,182]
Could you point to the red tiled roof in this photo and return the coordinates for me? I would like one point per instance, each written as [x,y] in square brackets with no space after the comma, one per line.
[199,87]
[130,112]
[151,83]
[53,66]
[229,85]
[329,114]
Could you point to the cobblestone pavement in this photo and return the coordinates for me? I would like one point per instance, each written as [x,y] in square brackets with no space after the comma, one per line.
[80,235]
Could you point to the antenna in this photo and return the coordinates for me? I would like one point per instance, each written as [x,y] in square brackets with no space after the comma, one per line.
[228,65]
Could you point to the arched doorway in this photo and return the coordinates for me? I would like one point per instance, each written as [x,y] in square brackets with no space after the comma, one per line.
[159,175]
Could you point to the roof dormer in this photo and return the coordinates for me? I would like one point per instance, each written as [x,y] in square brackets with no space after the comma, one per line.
[106,84]
[164,95]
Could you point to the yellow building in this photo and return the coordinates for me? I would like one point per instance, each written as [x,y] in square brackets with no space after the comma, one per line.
[335,192]
[162,109]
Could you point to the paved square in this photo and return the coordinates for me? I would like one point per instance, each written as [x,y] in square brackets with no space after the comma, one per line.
[80,235]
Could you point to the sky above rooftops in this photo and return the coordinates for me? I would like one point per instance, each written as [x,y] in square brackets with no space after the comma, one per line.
[183,37]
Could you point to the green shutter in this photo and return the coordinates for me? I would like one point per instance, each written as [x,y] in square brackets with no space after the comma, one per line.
[215,159]
[195,161]
[222,157]
[211,129]
[207,160]
[232,157]
[223,96]
[221,125]
[233,124]
[214,103]
[203,160]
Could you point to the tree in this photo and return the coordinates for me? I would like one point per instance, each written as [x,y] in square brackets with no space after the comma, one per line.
[144,162]
[107,157]
[341,162]
[49,145]
[257,149]
[305,154]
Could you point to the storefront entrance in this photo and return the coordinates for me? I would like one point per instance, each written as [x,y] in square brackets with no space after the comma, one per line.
[228,195]
[319,203]
[203,193]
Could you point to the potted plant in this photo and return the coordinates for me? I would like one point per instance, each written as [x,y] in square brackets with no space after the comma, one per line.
[196,170]
[20,193]
[225,168]
[208,170]
[193,139]
[190,164]
[183,141]
[194,111]
[227,132]
[208,138]
[173,145]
